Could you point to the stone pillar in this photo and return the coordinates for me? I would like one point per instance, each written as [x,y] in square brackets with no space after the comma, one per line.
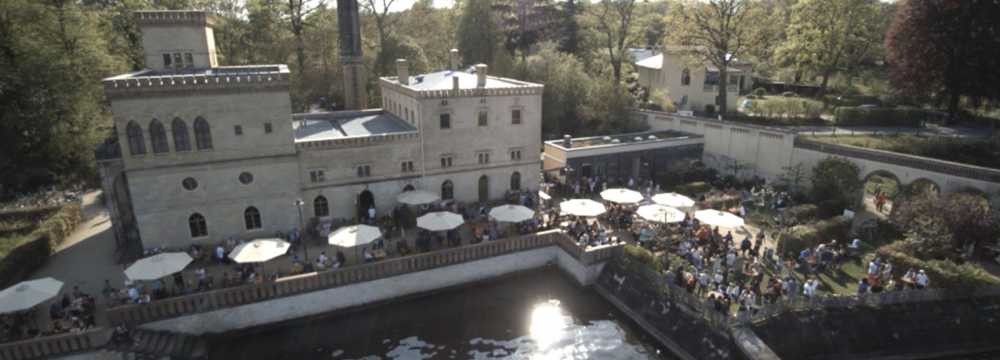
[453,59]
[403,71]
[481,75]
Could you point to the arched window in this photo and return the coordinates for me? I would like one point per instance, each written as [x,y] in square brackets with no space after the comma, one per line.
[515,181]
[484,189]
[686,77]
[447,190]
[202,134]
[182,142]
[320,206]
[136,144]
[252,218]
[197,224]
[158,137]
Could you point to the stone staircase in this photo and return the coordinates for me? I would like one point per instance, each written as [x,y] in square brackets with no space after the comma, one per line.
[159,345]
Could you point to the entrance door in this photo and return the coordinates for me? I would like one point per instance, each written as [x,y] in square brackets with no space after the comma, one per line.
[484,188]
[365,201]
[586,170]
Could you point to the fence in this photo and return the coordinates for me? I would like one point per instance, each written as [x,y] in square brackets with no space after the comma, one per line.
[229,297]
[51,346]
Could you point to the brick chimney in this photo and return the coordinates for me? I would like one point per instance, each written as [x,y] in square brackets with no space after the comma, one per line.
[567,141]
[453,59]
[403,71]
[481,75]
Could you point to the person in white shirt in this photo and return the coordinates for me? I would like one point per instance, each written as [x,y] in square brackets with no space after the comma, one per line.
[809,289]
[371,214]
[922,279]
[323,259]
[369,257]
[220,253]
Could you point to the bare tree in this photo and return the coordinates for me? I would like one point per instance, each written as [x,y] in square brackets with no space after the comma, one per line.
[379,9]
[614,21]
[296,15]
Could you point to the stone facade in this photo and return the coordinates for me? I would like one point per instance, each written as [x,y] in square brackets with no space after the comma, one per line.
[220,146]
[671,73]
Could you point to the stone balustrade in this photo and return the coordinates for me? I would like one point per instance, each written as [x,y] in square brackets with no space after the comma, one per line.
[185,83]
[52,346]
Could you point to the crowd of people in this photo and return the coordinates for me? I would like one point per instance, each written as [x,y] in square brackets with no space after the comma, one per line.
[72,312]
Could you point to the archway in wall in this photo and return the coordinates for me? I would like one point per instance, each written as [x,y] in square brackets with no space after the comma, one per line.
[484,189]
[880,188]
[408,187]
[365,200]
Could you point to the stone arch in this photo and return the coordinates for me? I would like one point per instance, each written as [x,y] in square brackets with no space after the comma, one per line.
[876,184]
[136,141]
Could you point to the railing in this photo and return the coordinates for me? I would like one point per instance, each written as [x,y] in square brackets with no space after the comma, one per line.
[51,346]
[246,294]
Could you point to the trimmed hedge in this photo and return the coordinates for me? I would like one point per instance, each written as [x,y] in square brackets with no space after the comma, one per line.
[943,273]
[851,100]
[800,214]
[35,248]
[855,116]
[792,240]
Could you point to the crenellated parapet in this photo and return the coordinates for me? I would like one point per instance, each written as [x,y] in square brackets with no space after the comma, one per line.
[213,80]
[358,141]
[174,17]
[523,88]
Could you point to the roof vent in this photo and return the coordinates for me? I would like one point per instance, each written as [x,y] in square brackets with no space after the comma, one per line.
[615,141]
[652,137]
[606,138]
[419,78]
[638,138]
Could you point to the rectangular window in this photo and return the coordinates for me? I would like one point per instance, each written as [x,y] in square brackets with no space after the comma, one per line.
[178,62]
[445,161]
[515,116]
[484,157]
[188,60]
[166,61]
[406,166]
[483,118]
[364,171]
[316,176]
[515,155]
[267,128]
[238,129]
[446,121]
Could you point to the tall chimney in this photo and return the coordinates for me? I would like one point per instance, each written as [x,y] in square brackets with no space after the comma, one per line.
[453,59]
[403,71]
[481,75]
[351,56]
[567,141]
[454,83]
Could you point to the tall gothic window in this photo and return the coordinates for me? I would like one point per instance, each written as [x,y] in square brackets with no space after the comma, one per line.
[515,181]
[158,137]
[182,142]
[321,207]
[197,224]
[202,134]
[136,144]
[252,218]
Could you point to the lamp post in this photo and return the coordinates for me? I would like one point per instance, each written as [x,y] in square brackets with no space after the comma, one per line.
[302,232]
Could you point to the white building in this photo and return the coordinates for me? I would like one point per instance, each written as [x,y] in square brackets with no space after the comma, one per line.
[210,152]
[692,87]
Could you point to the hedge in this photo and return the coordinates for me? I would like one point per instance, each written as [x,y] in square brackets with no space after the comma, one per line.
[851,100]
[875,116]
[800,214]
[693,188]
[35,248]
[792,240]
[943,273]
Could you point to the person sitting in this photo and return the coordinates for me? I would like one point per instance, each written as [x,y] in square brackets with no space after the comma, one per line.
[220,254]
[854,247]
[368,256]
[922,280]
[323,260]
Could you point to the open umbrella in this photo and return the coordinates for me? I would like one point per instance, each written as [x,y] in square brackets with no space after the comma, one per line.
[673,200]
[354,235]
[440,221]
[660,213]
[543,195]
[582,207]
[417,197]
[718,218]
[621,196]
[259,250]
[511,213]
[158,266]
[27,294]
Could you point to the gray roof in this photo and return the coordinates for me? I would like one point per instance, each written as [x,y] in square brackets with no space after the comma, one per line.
[656,62]
[347,124]
[216,71]
[441,80]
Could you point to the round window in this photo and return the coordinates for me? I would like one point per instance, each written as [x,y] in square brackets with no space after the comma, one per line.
[246,178]
[189,183]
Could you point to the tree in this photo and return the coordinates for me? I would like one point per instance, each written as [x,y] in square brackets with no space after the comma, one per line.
[524,23]
[949,221]
[296,13]
[570,37]
[836,181]
[794,176]
[823,43]
[717,31]
[566,88]
[947,49]
[478,34]
[379,10]
[613,21]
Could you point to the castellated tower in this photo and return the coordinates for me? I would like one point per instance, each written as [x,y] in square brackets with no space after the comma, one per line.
[177,39]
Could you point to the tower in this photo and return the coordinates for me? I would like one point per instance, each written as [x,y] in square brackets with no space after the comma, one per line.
[355,96]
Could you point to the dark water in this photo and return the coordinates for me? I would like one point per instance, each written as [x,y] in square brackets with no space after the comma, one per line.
[533,315]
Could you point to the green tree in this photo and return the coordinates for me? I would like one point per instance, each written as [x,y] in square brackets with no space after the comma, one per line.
[570,33]
[836,181]
[566,89]
[612,25]
[478,34]
[946,222]
[823,44]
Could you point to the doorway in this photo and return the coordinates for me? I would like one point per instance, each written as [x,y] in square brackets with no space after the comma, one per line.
[365,201]
[484,189]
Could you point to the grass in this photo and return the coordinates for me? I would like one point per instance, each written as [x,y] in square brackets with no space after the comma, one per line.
[979,152]
[780,110]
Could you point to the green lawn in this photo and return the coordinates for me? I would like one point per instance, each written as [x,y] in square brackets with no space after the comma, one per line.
[780,110]
[980,152]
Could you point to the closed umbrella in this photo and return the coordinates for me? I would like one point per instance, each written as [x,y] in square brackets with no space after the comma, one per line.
[511,213]
[621,196]
[582,207]
[660,213]
[440,221]
[354,235]
[673,200]
[27,294]
[718,218]
[158,266]
[417,197]
[259,250]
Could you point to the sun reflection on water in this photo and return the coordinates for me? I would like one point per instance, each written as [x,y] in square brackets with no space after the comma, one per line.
[547,324]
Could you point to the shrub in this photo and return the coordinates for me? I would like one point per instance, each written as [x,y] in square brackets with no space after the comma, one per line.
[789,94]
[759,92]
[29,252]
[855,116]
[836,178]
[800,214]
[851,100]
[792,240]
[639,261]
[693,188]
[943,273]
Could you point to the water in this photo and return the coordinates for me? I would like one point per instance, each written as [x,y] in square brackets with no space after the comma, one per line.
[534,315]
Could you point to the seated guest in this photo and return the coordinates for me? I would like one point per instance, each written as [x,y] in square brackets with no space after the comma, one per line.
[369,257]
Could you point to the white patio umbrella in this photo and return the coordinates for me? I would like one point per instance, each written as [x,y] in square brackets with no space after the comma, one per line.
[259,250]
[354,235]
[417,197]
[673,200]
[158,266]
[718,218]
[660,213]
[27,294]
[511,213]
[440,221]
[621,196]
[582,207]
[543,195]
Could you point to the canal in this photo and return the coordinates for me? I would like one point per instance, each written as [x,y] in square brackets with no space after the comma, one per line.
[539,314]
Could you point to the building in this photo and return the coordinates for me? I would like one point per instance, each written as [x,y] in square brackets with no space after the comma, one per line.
[209,152]
[640,156]
[691,87]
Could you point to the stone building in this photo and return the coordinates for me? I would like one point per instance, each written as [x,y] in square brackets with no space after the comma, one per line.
[208,152]
[691,87]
